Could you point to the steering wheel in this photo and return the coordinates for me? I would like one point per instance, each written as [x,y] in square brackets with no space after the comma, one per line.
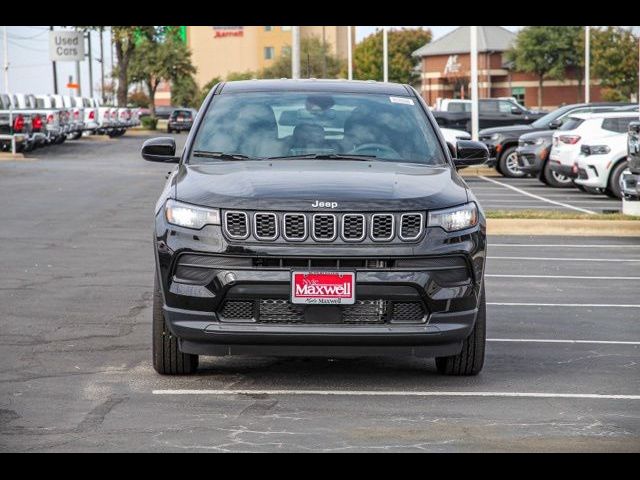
[377,149]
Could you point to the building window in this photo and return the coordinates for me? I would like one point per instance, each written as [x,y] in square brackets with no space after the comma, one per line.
[268,29]
[285,29]
[518,94]
[268,53]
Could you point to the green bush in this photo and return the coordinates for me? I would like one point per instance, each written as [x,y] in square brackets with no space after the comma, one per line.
[149,123]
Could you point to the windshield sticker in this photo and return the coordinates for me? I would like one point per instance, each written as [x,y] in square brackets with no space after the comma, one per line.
[402,100]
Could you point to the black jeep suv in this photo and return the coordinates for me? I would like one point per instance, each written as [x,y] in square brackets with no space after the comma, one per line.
[317,217]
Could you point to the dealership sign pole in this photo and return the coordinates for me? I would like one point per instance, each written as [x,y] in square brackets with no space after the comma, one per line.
[587,64]
[385,55]
[473,31]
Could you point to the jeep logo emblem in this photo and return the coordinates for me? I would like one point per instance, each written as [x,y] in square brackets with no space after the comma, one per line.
[318,204]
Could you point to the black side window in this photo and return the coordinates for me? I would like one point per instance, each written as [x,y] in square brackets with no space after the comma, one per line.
[618,125]
[489,106]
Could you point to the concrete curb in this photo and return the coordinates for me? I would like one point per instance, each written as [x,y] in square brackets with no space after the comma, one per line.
[10,156]
[577,228]
[477,171]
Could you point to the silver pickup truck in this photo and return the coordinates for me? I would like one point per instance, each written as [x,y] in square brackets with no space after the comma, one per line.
[15,127]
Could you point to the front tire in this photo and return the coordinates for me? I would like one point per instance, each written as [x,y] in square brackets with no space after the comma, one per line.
[508,164]
[555,179]
[471,359]
[167,357]
[613,188]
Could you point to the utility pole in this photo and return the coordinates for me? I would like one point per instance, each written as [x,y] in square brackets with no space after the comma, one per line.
[90,64]
[295,52]
[6,60]
[79,89]
[349,54]
[324,54]
[474,82]
[55,71]
[385,55]
[587,64]
[102,67]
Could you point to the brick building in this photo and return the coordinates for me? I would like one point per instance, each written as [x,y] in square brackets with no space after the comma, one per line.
[445,71]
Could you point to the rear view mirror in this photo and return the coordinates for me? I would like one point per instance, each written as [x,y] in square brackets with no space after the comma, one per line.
[160,149]
[470,153]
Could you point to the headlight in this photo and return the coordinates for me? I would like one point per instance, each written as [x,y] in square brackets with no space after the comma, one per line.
[190,216]
[495,136]
[454,219]
[540,141]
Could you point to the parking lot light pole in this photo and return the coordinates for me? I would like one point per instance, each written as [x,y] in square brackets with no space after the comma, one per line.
[295,52]
[473,33]
[587,64]
[349,54]
[385,55]
[6,60]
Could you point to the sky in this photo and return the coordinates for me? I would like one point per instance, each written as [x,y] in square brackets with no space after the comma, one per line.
[30,70]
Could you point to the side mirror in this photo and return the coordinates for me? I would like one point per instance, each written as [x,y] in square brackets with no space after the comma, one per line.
[516,111]
[470,153]
[634,127]
[555,124]
[160,149]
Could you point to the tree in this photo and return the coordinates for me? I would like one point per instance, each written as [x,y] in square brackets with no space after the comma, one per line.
[125,39]
[207,88]
[615,62]
[536,50]
[571,44]
[367,55]
[163,57]
[248,75]
[185,92]
[138,99]
[315,60]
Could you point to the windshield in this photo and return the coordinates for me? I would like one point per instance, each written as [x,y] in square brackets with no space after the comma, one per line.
[294,124]
[543,122]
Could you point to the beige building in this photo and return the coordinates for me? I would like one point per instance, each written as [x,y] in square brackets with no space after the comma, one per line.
[218,51]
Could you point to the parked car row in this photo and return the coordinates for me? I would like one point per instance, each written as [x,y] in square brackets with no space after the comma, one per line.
[582,145]
[28,121]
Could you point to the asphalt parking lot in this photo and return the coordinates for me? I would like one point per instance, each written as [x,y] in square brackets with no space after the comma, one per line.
[563,357]
[502,193]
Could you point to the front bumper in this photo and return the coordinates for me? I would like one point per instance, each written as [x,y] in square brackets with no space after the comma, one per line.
[195,313]
[531,158]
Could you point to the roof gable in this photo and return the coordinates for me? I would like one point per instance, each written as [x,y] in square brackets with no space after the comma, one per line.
[490,39]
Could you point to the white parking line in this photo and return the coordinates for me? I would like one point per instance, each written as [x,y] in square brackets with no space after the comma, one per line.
[584,342]
[587,305]
[557,245]
[562,259]
[378,393]
[537,197]
[565,277]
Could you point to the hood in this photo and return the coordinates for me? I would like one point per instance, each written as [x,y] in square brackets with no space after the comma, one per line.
[511,129]
[297,184]
[537,134]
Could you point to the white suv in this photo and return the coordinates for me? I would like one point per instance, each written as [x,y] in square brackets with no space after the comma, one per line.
[602,160]
[583,129]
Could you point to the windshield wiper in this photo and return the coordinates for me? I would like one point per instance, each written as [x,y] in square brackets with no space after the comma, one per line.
[222,155]
[327,156]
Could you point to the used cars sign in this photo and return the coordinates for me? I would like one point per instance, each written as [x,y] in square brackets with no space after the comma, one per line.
[66,46]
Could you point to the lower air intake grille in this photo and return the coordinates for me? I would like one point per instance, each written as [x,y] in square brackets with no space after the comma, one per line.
[236,310]
[282,311]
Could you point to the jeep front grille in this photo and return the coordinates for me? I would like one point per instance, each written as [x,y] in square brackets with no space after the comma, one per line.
[236,225]
[306,228]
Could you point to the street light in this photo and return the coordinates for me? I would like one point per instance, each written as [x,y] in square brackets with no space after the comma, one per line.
[385,55]
[473,33]
[587,64]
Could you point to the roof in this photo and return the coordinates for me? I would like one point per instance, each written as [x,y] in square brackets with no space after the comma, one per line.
[490,39]
[615,114]
[313,85]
